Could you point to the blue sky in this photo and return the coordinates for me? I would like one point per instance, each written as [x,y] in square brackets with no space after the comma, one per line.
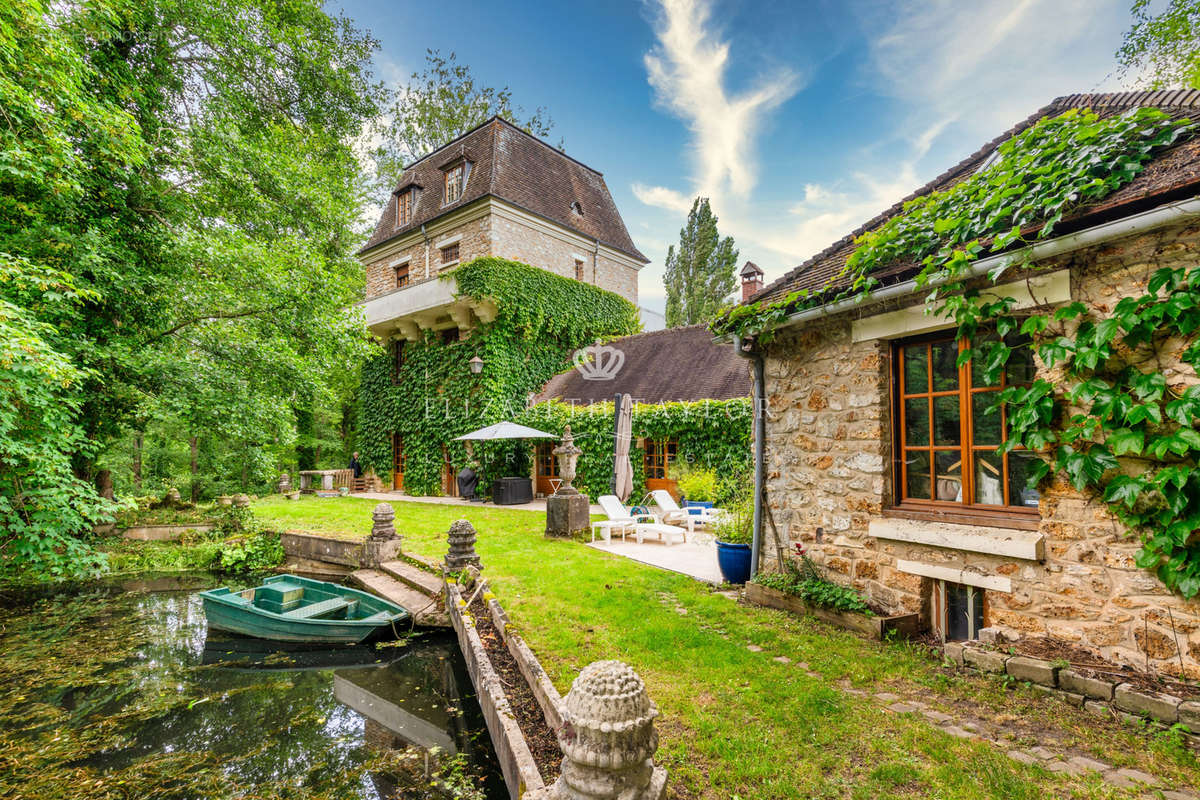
[800,120]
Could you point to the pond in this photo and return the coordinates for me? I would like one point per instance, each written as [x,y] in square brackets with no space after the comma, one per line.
[118,694]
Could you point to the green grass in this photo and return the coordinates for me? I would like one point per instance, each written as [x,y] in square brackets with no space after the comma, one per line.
[735,723]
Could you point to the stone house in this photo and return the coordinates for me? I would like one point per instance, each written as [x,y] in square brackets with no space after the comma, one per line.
[525,219]
[878,459]
[494,191]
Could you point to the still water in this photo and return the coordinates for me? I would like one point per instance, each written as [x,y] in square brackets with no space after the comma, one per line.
[127,695]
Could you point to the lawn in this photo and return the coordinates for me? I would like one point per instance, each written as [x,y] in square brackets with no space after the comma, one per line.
[736,723]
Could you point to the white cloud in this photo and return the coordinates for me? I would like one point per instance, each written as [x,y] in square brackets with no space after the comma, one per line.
[662,197]
[687,70]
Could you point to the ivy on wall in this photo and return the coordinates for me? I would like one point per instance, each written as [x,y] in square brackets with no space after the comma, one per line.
[709,434]
[1101,410]
[542,318]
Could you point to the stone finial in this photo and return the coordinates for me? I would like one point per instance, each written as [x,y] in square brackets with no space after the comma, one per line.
[608,738]
[462,547]
[567,454]
[382,526]
[285,484]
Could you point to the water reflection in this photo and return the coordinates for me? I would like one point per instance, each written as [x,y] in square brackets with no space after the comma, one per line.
[145,700]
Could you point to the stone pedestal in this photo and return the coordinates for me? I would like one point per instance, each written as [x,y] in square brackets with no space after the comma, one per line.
[567,514]
[285,484]
[462,547]
[384,543]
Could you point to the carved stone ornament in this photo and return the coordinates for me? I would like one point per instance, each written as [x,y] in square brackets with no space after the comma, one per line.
[567,454]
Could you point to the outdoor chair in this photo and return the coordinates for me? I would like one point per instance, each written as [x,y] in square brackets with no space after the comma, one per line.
[670,512]
[621,520]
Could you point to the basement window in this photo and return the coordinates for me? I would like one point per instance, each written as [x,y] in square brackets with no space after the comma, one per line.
[957,611]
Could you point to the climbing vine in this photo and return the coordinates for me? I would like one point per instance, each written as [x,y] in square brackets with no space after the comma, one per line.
[709,434]
[1116,404]
[433,397]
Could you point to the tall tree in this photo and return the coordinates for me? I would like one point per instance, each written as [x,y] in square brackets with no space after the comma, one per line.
[439,103]
[700,273]
[178,202]
[1162,51]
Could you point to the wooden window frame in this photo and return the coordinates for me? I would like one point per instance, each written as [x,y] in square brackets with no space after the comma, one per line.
[449,254]
[579,270]
[453,179]
[544,460]
[397,360]
[403,278]
[406,203]
[953,511]
[659,455]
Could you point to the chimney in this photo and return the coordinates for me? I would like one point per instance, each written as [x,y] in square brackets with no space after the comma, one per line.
[752,280]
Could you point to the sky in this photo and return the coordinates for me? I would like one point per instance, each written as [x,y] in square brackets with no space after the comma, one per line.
[800,120]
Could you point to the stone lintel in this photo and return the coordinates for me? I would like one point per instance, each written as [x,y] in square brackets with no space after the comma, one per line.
[997,583]
[1006,542]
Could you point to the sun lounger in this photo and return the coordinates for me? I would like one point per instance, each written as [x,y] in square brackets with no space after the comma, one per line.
[621,520]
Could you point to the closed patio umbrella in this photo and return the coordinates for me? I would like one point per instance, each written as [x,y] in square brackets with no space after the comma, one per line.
[622,469]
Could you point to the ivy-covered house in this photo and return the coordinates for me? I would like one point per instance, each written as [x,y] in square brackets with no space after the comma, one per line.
[691,413]
[498,248]
[983,403]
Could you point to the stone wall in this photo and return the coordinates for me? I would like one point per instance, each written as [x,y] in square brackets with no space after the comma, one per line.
[425,258]
[829,469]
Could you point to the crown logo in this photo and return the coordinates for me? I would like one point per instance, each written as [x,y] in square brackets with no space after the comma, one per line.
[598,362]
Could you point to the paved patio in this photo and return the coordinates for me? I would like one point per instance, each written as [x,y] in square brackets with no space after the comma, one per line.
[697,557]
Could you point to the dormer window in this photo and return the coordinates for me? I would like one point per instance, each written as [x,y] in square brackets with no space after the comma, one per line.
[405,202]
[576,209]
[454,182]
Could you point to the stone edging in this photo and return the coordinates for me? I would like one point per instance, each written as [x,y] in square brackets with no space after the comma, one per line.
[163,533]
[877,627]
[1097,695]
[543,690]
[521,773]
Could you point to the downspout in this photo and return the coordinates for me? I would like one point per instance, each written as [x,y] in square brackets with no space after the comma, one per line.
[595,262]
[760,446]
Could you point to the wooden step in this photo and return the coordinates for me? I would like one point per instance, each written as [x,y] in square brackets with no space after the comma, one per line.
[415,577]
[427,611]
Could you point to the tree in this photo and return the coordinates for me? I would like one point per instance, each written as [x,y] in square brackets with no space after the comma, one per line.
[178,208]
[1163,50]
[700,273]
[441,103]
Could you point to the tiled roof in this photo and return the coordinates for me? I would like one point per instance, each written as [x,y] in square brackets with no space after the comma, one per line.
[672,365]
[1174,172]
[520,169]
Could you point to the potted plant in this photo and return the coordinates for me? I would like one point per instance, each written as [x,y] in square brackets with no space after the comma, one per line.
[734,531]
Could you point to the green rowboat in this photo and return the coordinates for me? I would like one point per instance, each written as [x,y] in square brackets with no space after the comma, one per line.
[289,608]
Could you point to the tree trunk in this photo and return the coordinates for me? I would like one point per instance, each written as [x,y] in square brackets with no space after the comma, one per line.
[104,484]
[137,462]
[194,445]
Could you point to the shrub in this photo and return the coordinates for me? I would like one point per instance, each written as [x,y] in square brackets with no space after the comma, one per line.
[735,525]
[696,484]
[805,581]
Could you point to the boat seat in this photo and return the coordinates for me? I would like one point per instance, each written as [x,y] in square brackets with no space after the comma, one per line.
[378,616]
[325,608]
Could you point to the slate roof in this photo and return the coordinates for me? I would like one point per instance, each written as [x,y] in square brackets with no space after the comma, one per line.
[676,364]
[1172,175]
[520,169]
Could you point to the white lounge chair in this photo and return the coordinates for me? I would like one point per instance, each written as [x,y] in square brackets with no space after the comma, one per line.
[622,520]
[670,512]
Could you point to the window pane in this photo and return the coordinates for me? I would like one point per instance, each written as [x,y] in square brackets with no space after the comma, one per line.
[989,482]
[981,344]
[946,428]
[916,369]
[1018,479]
[916,421]
[1020,367]
[949,475]
[985,418]
[918,475]
[945,370]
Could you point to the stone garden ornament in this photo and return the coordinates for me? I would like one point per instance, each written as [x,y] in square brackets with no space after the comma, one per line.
[462,547]
[568,454]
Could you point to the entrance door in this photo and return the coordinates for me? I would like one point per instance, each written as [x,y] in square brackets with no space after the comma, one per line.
[449,484]
[398,461]
[660,455]
[545,468]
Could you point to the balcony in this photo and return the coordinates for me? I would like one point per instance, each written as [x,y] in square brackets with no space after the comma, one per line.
[429,305]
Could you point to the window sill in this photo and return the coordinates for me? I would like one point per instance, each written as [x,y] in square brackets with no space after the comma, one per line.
[1012,520]
[447,265]
[992,537]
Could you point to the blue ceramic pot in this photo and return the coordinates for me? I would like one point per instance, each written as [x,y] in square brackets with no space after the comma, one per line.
[734,561]
[697,504]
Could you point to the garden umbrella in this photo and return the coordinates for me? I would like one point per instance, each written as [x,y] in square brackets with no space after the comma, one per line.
[504,430]
[622,469]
